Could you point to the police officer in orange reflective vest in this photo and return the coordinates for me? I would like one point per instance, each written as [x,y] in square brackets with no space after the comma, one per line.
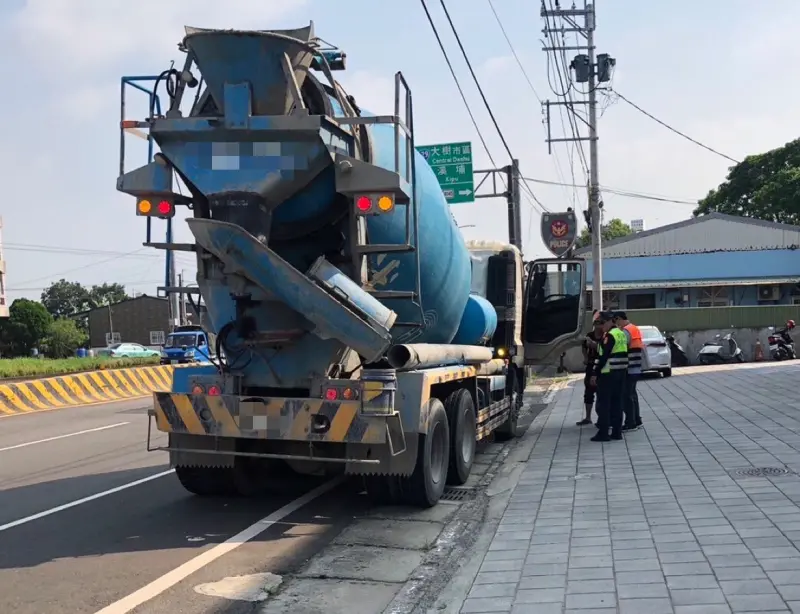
[633,419]
[610,372]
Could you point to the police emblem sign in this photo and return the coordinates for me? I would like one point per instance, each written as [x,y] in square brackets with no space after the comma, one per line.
[559,232]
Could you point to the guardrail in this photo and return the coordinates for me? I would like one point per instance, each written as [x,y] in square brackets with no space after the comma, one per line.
[77,389]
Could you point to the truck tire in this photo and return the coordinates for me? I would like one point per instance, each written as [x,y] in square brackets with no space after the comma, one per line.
[460,410]
[514,388]
[425,486]
[206,481]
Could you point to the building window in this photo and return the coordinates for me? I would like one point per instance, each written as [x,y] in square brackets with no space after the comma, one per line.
[641,301]
[796,300]
[113,338]
[611,300]
[713,296]
[156,337]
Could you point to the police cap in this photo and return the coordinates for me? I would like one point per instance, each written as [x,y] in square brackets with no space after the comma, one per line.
[605,316]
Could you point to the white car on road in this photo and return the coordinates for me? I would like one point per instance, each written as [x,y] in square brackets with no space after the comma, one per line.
[659,356]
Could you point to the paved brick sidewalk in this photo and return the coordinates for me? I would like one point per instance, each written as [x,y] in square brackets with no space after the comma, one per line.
[660,523]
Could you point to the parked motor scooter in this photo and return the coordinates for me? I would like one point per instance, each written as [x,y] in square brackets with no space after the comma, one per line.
[781,345]
[723,349]
[677,353]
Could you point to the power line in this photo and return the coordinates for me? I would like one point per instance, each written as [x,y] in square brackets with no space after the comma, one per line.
[619,192]
[675,130]
[458,84]
[513,50]
[134,283]
[483,96]
[71,251]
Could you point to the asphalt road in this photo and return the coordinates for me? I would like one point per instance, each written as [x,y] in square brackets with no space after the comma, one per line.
[90,522]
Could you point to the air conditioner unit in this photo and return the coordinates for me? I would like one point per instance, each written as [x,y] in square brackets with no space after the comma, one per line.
[769,293]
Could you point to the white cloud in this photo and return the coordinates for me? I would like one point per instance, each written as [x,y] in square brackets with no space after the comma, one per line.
[78,38]
[374,93]
[499,64]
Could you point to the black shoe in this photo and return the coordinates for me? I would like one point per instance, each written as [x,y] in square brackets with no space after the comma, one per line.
[616,437]
[630,427]
[601,437]
[639,424]
[583,422]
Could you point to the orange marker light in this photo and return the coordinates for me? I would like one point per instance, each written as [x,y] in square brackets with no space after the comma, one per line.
[385,203]
[145,207]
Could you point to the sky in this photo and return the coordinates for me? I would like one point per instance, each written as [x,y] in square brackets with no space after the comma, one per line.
[716,70]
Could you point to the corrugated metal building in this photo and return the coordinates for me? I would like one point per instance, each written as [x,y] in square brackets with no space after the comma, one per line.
[144,320]
[712,261]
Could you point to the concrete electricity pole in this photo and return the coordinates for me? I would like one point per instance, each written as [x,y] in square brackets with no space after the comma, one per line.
[592,70]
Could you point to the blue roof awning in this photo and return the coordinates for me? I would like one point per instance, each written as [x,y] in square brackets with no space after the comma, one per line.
[693,283]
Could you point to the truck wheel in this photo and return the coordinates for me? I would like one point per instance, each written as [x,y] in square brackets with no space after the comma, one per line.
[509,430]
[425,486]
[206,481]
[381,489]
[248,476]
[739,358]
[460,410]
[666,372]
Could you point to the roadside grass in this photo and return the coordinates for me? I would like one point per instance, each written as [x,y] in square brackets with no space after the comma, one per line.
[15,368]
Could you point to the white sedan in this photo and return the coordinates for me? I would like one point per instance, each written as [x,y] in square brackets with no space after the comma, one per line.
[659,356]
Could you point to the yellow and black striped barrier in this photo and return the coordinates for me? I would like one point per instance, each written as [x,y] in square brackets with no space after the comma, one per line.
[274,418]
[87,388]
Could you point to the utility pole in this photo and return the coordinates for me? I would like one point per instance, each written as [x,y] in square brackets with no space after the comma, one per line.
[591,69]
[511,193]
[174,299]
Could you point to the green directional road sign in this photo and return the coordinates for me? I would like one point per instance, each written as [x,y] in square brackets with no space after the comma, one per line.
[452,163]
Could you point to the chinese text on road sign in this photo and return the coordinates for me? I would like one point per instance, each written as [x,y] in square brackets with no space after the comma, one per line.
[452,163]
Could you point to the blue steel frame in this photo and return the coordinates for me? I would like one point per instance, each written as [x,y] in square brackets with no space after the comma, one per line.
[155,104]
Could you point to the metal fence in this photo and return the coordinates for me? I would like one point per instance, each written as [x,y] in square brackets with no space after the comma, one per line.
[709,318]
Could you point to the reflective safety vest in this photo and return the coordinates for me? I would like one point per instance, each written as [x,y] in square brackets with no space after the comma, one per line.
[635,349]
[618,359]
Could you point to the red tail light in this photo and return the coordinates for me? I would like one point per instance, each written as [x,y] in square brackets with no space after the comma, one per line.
[213,391]
[331,394]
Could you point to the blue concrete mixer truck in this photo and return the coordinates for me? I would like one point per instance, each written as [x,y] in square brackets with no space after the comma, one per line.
[356,331]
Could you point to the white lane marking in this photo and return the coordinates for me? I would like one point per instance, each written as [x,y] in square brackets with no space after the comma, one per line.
[71,504]
[33,443]
[170,579]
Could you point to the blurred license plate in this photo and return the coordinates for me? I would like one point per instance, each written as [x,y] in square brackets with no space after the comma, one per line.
[173,362]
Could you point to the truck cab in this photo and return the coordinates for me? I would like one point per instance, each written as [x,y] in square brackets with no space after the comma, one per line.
[187,344]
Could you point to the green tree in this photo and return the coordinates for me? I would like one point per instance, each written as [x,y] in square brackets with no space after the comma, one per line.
[64,337]
[66,298]
[615,229]
[27,325]
[764,186]
[107,294]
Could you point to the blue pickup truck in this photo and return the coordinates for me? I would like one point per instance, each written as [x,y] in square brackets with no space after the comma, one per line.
[187,344]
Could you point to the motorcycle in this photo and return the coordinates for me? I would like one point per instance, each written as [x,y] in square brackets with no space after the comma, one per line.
[723,349]
[781,345]
[678,354]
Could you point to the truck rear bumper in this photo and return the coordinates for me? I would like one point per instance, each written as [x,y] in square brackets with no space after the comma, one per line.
[284,419]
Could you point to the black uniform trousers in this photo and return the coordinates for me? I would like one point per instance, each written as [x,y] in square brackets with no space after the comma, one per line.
[610,401]
[632,415]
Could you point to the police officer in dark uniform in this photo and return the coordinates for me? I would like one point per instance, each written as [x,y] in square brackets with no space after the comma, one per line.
[610,372]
